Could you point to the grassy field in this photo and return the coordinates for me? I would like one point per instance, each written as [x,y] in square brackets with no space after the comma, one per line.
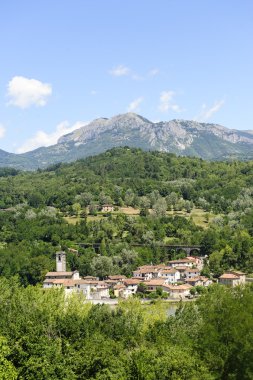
[199,216]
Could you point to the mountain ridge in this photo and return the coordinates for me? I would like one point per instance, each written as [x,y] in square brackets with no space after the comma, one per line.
[183,137]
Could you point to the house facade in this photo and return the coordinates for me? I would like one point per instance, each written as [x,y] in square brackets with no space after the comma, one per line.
[107,208]
[178,291]
[171,275]
[232,278]
[186,262]
[191,273]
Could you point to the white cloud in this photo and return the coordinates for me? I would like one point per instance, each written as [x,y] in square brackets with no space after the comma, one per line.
[153,72]
[206,113]
[24,92]
[120,71]
[2,131]
[166,102]
[42,138]
[133,106]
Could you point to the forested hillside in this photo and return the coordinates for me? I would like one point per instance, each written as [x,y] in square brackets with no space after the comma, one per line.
[44,337]
[36,209]
[125,176]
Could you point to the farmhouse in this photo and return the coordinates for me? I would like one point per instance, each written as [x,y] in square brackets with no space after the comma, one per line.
[107,208]
[178,291]
[232,278]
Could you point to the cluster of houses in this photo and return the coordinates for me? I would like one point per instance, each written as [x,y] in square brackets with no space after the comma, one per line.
[185,271]
[176,278]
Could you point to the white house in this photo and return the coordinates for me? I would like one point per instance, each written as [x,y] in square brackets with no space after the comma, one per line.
[191,273]
[92,289]
[131,286]
[178,291]
[199,261]
[188,262]
[143,274]
[67,284]
[199,280]
[171,274]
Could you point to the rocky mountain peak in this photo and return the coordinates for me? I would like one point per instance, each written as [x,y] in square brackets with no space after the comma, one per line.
[184,137]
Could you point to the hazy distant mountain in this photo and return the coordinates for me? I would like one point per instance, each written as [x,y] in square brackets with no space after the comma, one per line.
[188,138]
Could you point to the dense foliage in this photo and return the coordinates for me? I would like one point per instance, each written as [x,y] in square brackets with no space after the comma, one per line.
[32,224]
[44,336]
[125,176]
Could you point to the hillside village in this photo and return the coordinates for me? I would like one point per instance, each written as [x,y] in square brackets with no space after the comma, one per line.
[174,280]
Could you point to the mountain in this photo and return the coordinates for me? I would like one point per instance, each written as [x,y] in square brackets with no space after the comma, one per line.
[182,137]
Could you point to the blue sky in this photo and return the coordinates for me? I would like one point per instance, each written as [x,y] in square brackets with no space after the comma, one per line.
[67,62]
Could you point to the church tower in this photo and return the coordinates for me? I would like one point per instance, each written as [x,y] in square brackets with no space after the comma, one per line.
[60,261]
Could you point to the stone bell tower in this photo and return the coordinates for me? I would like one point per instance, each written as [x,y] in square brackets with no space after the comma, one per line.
[60,261]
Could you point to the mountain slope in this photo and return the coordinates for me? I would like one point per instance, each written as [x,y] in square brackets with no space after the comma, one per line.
[187,138]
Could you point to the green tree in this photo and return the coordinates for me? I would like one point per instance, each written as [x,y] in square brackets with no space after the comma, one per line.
[7,369]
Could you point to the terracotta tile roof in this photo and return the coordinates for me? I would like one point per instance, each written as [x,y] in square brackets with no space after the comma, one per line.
[132,281]
[171,270]
[59,274]
[230,276]
[151,268]
[192,270]
[144,271]
[155,282]
[111,282]
[181,269]
[118,287]
[116,277]
[178,287]
[49,281]
[91,282]
[203,278]
[101,283]
[64,282]
[194,279]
